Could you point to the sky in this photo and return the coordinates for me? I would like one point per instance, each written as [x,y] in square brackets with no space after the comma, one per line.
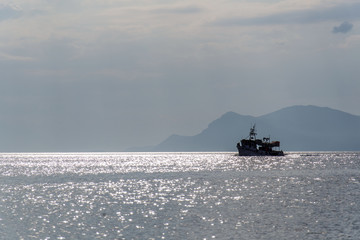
[105,75]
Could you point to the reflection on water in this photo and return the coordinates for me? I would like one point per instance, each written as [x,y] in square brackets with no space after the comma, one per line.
[179,196]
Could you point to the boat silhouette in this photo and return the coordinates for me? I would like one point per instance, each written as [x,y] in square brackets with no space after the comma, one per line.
[251,146]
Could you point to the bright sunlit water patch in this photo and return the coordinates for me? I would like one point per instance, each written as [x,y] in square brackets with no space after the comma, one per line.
[179,196]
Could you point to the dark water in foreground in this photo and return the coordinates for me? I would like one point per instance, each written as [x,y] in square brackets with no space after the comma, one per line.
[179,196]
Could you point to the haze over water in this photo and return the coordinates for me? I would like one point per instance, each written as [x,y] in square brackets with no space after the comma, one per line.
[304,195]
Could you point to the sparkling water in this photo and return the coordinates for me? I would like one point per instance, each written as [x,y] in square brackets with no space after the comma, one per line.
[303,195]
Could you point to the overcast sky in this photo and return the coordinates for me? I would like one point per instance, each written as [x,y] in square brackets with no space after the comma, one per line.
[105,75]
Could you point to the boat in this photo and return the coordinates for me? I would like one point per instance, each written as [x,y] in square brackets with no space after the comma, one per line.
[251,146]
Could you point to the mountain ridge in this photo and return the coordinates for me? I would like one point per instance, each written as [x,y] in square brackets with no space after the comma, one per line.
[299,128]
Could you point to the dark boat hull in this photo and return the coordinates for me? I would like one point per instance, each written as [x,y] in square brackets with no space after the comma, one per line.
[255,152]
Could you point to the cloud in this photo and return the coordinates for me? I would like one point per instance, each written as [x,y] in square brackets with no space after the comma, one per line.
[351,41]
[5,56]
[343,28]
[338,12]
[178,10]
[8,12]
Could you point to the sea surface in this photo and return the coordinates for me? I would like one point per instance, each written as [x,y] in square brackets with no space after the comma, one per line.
[303,195]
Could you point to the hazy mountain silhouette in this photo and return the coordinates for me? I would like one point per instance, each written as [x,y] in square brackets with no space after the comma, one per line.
[298,128]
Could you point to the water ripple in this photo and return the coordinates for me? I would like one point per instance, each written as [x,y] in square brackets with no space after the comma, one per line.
[179,196]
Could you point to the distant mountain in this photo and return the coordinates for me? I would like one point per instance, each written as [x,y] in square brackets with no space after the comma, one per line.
[298,128]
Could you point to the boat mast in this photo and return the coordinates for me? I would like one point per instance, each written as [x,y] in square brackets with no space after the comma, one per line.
[253,133]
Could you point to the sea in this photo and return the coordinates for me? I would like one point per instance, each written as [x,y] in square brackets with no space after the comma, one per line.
[216,195]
